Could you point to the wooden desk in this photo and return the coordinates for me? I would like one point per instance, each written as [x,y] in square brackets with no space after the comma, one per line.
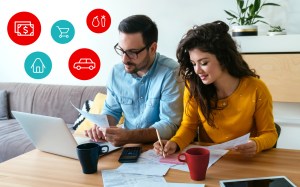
[37,169]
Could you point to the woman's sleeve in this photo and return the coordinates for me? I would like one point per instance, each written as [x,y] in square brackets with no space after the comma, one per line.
[266,131]
[188,127]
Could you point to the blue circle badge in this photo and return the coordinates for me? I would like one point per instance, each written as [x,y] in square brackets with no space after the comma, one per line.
[38,65]
[62,31]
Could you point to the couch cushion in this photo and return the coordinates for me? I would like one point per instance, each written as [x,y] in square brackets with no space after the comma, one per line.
[96,108]
[3,105]
[54,100]
[20,96]
[13,140]
[86,107]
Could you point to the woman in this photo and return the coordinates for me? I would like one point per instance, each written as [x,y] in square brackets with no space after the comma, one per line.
[223,97]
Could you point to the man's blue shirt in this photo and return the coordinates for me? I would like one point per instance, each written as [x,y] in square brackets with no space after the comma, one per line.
[154,100]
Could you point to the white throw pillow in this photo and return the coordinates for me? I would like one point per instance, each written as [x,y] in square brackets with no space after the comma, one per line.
[86,107]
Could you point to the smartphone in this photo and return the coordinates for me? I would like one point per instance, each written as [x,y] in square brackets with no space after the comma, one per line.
[130,154]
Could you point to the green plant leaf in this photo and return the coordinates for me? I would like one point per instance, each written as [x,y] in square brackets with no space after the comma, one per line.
[240,3]
[230,14]
[263,22]
[243,10]
[248,13]
[256,5]
[258,16]
[251,10]
[270,4]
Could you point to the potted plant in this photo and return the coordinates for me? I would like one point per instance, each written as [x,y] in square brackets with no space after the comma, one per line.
[247,16]
[276,30]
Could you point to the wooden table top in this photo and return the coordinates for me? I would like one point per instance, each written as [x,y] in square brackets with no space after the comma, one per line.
[38,168]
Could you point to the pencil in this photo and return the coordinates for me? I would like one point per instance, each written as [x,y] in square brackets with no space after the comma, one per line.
[163,153]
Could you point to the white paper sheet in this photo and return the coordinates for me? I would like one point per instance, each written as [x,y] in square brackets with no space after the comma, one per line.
[144,169]
[216,152]
[161,184]
[98,119]
[232,143]
[113,178]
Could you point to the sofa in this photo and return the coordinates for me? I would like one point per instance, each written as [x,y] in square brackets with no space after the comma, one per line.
[44,99]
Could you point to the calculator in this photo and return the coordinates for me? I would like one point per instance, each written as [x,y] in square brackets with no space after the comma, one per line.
[130,154]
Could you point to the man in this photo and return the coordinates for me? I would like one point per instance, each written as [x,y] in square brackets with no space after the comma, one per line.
[145,88]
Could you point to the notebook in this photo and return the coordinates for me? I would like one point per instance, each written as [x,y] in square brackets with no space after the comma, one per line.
[51,134]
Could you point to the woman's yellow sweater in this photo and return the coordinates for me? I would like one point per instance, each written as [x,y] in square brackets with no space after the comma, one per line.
[247,109]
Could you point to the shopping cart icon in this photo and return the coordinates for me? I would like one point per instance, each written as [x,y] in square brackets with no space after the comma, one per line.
[63,32]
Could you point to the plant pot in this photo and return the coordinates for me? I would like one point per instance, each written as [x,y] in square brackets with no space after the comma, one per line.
[276,33]
[244,30]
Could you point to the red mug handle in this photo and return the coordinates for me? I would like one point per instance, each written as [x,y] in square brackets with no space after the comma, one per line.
[181,160]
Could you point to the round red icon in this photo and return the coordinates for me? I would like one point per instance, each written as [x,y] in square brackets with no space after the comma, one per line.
[98,20]
[84,64]
[24,28]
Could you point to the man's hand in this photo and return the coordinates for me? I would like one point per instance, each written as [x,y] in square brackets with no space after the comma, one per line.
[248,149]
[95,133]
[117,136]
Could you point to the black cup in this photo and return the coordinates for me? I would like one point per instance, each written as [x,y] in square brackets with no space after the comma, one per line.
[88,155]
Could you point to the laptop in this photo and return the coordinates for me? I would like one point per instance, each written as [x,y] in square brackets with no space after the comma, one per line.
[51,134]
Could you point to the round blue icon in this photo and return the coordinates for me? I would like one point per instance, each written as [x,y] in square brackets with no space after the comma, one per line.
[62,31]
[38,65]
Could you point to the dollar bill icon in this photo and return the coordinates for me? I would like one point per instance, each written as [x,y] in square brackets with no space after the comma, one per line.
[24,28]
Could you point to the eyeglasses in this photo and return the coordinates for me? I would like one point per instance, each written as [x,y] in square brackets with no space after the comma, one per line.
[130,54]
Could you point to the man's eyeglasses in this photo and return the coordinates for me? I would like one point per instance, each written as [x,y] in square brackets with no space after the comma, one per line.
[130,54]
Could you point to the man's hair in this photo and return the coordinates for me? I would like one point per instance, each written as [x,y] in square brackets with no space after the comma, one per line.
[140,24]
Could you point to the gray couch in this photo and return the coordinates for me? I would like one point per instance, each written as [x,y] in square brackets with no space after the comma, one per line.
[50,100]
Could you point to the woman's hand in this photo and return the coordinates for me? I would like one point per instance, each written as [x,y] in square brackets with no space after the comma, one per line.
[169,147]
[248,149]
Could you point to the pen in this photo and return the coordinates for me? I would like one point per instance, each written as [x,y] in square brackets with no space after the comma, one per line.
[160,143]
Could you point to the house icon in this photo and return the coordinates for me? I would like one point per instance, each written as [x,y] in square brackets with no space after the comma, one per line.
[38,66]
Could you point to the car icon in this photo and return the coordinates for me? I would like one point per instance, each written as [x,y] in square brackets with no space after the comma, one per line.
[84,63]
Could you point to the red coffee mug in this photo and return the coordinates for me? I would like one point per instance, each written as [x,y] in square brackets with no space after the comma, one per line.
[197,160]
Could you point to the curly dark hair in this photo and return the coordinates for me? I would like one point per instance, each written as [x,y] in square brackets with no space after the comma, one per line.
[214,39]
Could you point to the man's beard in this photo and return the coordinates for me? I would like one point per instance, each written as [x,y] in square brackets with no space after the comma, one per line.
[133,67]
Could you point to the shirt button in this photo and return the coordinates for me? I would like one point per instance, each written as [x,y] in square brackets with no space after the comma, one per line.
[224,103]
[141,97]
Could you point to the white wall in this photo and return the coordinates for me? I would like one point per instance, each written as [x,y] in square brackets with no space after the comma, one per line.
[173,18]
[287,115]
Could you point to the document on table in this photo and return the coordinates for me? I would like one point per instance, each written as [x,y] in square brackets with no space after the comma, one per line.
[98,119]
[216,152]
[113,178]
[144,169]
[166,184]
[232,143]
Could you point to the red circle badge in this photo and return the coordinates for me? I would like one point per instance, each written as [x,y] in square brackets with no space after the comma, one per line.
[24,28]
[84,64]
[98,21]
